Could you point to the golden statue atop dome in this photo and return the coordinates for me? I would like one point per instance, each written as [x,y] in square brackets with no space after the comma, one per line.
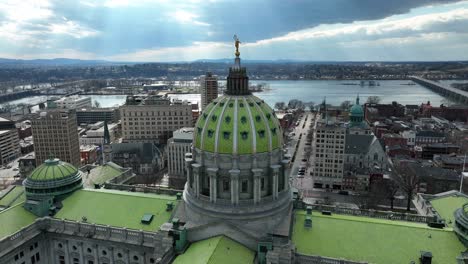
[236,43]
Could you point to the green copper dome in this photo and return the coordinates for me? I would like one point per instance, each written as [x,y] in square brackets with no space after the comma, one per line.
[53,178]
[53,169]
[238,124]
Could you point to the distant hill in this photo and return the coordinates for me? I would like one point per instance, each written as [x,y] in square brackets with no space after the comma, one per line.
[53,62]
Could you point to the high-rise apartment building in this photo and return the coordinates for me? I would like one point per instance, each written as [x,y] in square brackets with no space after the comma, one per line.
[177,146]
[153,118]
[9,141]
[329,154]
[208,89]
[55,133]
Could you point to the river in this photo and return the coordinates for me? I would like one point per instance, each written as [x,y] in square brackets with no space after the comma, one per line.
[307,91]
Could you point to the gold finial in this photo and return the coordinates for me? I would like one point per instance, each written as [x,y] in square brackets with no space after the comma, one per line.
[236,43]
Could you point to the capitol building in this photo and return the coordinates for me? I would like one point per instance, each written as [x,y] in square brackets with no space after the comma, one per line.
[237,207]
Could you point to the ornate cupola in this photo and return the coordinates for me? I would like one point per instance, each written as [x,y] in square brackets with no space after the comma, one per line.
[356,114]
[50,183]
[237,80]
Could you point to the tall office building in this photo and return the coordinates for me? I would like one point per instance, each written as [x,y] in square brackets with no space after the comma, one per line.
[55,133]
[329,154]
[177,146]
[153,118]
[9,141]
[208,89]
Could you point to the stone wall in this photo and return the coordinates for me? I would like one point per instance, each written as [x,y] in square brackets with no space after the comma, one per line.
[63,241]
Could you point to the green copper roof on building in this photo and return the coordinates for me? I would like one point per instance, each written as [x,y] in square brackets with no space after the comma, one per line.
[13,219]
[116,208]
[373,240]
[13,197]
[446,207]
[238,125]
[53,169]
[215,250]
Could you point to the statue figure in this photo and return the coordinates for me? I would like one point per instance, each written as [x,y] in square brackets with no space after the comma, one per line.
[236,43]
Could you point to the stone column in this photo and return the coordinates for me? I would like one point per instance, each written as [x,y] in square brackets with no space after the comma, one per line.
[213,174]
[234,186]
[285,175]
[188,168]
[275,172]
[196,178]
[257,193]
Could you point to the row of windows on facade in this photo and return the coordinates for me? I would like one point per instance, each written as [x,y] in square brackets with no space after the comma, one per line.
[155,119]
[337,141]
[330,151]
[329,170]
[35,256]
[330,136]
[330,132]
[136,127]
[61,258]
[326,155]
[152,113]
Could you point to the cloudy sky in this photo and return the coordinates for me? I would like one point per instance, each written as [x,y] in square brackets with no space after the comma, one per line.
[176,30]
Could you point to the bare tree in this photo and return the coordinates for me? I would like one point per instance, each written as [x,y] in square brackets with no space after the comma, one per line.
[373,99]
[408,179]
[280,105]
[97,104]
[345,105]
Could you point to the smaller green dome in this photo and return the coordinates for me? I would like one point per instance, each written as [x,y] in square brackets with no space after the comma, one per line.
[53,169]
[356,110]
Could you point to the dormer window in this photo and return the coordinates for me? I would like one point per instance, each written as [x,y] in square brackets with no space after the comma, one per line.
[261,133]
[258,118]
[210,133]
[227,119]
[226,134]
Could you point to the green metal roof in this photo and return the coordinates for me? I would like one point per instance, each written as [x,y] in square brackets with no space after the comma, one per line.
[116,208]
[102,174]
[53,169]
[238,125]
[13,197]
[13,219]
[446,207]
[215,250]
[373,240]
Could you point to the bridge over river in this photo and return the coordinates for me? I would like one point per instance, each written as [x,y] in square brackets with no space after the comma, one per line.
[445,90]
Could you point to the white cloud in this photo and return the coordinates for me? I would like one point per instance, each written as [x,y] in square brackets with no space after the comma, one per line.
[381,28]
[26,10]
[197,50]
[185,17]
[29,22]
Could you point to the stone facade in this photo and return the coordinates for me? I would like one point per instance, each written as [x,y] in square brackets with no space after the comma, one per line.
[177,148]
[153,119]
[53,241]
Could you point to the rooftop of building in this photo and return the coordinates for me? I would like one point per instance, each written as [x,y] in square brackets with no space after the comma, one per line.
[73,98]
[12,196]
[13,219]
[100,109]
[429,133]
[450,159]
[442,145]
[185,133]
[358,144]
[373,240]
[99,207]
[218,249]
[101,174]
[446,203]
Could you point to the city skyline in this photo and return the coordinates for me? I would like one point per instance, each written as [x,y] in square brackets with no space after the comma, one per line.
[163,31]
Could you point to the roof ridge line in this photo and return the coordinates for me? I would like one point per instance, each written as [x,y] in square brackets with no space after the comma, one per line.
[217,244]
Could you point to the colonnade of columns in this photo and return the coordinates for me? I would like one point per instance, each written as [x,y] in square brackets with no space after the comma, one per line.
[212,173]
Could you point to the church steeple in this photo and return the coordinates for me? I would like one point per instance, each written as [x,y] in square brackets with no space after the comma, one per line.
[237,80]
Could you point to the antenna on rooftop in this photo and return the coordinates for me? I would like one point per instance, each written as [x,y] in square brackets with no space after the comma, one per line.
[462,174]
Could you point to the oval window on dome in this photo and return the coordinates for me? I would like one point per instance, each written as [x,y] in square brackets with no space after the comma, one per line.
[227,119]
[213,118]
[244,135]
[210,133]
[261,133]
[243,119]
[258,118]
[226,134]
